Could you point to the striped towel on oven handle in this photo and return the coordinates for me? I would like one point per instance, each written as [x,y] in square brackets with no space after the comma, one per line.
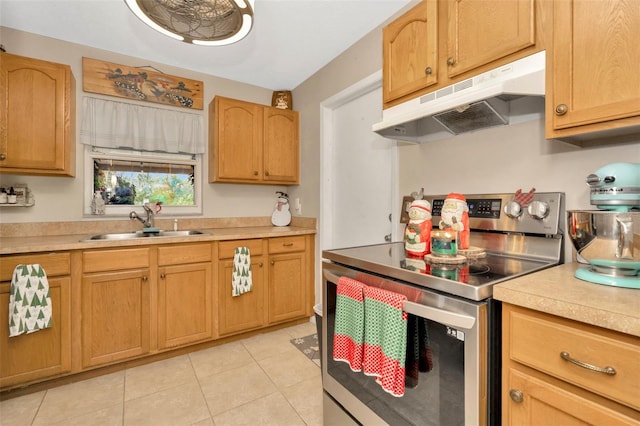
[348,336]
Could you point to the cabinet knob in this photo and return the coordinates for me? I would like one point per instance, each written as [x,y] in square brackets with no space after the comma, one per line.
[428,71]
[450,61]
[260,264]
[3,156]
[255,173]
[516,395]
[145,278]
[561,109]
[162,276]
[266,172]
[273,262]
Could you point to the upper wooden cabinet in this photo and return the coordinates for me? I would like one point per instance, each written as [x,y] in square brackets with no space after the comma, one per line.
[481,32]
[37,122]
[251,143]
[410,51]
[440,42]
[593,83]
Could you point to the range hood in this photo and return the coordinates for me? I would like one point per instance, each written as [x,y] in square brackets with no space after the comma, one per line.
[505,95]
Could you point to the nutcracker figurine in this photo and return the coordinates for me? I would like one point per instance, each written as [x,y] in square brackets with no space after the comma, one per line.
[455,215]
[417,234]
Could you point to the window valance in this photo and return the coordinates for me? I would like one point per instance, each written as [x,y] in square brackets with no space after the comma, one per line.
[113,124]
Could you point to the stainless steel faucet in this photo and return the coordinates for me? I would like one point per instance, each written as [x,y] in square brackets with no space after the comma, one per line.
[148,222]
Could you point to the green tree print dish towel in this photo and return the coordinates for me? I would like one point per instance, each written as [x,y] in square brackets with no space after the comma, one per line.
[29,300]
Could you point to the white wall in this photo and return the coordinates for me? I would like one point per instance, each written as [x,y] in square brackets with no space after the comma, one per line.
[61,198]
[504,159]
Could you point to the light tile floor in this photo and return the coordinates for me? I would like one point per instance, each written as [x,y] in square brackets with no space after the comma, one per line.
[261,380]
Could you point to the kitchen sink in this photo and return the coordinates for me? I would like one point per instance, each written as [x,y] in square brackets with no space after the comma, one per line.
[140,234]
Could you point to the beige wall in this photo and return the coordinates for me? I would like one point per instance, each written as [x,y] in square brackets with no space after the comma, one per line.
[61,199]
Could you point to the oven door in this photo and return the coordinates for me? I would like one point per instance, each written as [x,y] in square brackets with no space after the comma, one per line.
[453,392]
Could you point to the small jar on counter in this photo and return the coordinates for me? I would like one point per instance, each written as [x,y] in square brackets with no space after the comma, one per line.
[4,199]
[12,197]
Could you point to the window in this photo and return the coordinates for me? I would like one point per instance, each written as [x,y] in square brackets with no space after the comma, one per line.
[127,178]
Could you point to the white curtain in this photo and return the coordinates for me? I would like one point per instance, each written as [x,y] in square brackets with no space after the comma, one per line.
[114,124]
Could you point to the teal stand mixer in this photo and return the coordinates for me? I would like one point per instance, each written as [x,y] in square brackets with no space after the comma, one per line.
[608,239]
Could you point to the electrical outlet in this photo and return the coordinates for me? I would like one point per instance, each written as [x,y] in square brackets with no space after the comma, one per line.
[297,206]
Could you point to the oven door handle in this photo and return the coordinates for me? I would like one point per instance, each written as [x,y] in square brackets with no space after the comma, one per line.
[442,316]
[449,318]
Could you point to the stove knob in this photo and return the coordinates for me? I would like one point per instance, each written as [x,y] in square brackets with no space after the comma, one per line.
[513,209]
[538,209]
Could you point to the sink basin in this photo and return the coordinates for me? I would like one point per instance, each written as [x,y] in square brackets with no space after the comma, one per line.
[140,234]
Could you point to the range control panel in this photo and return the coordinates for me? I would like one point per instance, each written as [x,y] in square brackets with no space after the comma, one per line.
[501,212]
[483,208]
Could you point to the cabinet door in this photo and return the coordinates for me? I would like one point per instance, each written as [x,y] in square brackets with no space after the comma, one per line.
[36,127]
[115,316]
[281,145]
[40,354]
[410,51]
[287,286]
[236,134]
[596,58]
[537,402]
[481,32]
[184,304]
[248,310]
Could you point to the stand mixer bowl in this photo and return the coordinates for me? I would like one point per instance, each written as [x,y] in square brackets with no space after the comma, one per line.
[606,239]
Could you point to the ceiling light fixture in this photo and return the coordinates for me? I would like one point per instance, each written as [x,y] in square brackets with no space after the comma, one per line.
[201,22]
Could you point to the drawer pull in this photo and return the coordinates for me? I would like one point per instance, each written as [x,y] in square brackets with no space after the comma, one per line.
[606,370]
[516,395]
[287,244]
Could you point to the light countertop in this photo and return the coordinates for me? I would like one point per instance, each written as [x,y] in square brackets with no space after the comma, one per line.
[57,236]
[556,291]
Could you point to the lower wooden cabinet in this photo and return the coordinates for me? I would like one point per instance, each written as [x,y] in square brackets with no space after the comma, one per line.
[115,316]
[185,305]
[44,353]
[123,303]
[561,372]
[282,283]
[288,287]
[249,310]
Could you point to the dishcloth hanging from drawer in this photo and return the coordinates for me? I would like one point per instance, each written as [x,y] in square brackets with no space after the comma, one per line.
[29,300]
[241,281]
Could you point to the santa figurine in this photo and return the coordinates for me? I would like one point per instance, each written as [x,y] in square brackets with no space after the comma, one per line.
[417,234]
[455,216]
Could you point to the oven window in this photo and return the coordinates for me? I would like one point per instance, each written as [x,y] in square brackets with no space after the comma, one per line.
[438,396]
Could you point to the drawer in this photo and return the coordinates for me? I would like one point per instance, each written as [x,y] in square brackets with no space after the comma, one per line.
[286,244]
[115,260]
[54,264]
[226,249]
[185,253]
[538,339]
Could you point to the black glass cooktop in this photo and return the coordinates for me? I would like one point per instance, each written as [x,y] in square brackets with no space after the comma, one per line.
[473,279]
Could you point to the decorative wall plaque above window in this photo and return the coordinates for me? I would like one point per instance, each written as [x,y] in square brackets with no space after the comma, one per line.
[140,84]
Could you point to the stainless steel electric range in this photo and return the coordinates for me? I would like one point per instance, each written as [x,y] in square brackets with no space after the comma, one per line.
[519,236]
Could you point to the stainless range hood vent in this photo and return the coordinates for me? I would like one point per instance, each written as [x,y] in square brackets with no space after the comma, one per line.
[509,94]
[478,115]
